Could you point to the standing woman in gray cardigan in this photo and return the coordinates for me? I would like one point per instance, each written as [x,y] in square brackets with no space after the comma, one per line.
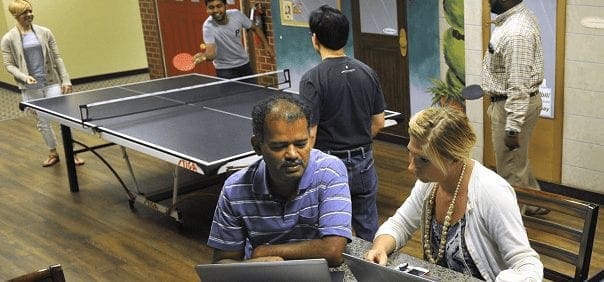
[31,55]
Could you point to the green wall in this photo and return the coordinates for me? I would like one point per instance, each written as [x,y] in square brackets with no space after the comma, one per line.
[95,37]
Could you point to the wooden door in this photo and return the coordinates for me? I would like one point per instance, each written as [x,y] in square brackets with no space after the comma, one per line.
[380,41]
[545,148]
[180,22]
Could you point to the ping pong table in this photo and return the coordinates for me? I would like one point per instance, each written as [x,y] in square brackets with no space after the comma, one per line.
[196,122]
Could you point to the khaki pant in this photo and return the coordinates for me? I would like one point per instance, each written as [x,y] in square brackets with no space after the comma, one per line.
[514,165]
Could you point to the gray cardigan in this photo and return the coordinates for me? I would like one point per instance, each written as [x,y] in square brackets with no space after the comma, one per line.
[14,60]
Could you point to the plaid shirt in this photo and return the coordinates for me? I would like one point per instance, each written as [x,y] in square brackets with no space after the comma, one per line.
[513,65]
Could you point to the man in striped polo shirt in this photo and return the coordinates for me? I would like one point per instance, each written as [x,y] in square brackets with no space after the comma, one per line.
[294,203]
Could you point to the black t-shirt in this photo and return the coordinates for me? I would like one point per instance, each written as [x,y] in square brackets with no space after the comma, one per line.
[344,94]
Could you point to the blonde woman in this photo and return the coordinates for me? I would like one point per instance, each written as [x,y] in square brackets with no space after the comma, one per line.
[467,214]
[31,55]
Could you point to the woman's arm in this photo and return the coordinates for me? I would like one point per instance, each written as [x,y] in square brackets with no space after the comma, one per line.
[383,245]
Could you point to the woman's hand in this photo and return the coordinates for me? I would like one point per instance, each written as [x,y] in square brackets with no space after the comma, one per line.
[30,80]
[378,256]
[66,88]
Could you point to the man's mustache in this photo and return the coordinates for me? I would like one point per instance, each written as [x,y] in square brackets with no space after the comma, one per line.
[296,162]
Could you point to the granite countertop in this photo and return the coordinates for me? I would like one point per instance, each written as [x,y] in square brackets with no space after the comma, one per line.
[359,246]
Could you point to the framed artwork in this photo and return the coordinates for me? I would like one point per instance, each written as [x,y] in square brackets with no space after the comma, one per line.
[296,12]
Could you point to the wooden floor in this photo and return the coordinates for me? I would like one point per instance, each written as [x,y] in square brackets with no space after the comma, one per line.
[95,236]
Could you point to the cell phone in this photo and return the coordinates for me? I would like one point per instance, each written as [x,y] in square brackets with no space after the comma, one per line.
[418,271]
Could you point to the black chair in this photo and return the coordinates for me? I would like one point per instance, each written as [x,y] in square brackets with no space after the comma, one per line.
[563,238]
[53,273]
[598,277]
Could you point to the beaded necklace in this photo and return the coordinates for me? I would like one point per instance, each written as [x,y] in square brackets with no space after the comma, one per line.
[443,237]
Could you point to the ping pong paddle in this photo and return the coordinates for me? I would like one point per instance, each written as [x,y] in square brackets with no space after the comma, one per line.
[183,62]
[472,92]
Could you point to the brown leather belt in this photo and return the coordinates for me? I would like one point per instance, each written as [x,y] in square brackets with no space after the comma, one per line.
[504,97]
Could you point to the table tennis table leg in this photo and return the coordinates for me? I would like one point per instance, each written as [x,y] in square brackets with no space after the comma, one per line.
[130,169]
[68,150]
[175,185]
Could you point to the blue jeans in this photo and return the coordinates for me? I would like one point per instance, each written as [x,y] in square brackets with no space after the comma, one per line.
[363,184]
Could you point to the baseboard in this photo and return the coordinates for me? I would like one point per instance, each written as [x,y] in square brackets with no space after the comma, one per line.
[9,87]
[94,78]
[88,79]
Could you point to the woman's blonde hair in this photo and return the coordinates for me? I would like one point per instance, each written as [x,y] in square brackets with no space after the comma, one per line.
[443,134]
[18,7]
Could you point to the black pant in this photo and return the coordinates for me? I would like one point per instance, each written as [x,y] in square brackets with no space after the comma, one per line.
[240,71]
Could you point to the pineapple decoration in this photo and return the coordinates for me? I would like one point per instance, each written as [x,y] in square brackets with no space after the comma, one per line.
[448,92]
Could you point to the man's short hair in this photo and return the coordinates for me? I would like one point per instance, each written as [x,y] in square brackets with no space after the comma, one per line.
[330,27]
[284,106]
[223,1]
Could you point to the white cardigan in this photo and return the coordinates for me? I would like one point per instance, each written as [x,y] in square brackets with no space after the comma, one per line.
[14,60]
[494,233]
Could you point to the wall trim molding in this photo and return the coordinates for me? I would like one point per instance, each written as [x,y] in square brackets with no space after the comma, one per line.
[87,79]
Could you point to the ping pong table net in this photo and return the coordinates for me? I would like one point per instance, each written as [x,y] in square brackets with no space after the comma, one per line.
[194,95]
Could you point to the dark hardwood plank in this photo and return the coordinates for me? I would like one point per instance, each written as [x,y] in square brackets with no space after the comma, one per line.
[94,234]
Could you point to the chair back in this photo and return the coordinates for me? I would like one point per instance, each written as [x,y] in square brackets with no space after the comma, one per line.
[563,238]
[53,273]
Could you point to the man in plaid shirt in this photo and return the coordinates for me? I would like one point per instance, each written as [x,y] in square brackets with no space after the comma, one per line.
[512,72]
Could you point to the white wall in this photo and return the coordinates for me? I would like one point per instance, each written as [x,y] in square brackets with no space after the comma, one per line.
[583,134]
[94,37]
[474,54]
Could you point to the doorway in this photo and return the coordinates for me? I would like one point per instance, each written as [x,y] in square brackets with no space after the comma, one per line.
[380,41]
[180,23]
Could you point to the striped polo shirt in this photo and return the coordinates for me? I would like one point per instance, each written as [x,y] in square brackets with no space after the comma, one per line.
[247,211]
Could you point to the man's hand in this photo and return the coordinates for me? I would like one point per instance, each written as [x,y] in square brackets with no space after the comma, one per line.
[512,142]
[265,259]
[261,251]
[328,247]
[199,58]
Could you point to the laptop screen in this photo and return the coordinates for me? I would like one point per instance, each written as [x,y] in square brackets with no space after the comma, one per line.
[368,271]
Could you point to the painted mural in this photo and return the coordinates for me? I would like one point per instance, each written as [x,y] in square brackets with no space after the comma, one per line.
[294,50]
[447,91]
[424,50]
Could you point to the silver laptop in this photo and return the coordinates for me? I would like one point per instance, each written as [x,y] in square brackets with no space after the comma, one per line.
[366,271]
[311,270]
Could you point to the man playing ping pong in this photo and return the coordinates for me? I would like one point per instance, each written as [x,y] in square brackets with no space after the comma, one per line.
[294,203]
[222,37]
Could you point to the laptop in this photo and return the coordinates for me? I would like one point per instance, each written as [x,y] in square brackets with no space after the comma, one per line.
[365,271]
[311,270]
